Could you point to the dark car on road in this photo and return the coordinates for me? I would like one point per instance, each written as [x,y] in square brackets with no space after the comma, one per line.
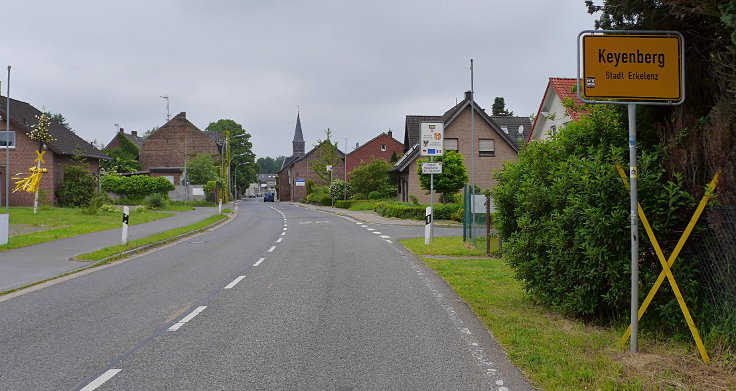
[268,197]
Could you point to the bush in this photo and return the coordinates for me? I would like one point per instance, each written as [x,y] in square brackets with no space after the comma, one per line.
[78,187]
[563,213]
[310,186]
[154,201]
[448,212]
[339,189]
[322,198]
[400,210]
[110,208]
[136,186]
[375,195]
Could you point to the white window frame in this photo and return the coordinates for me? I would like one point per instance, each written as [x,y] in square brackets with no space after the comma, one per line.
[483,147]
[383,147]
[12,136]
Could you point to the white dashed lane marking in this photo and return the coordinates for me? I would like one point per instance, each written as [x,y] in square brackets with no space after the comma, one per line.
[271,249]
[235,282]
[187,318]
[259,261]
[279,240]
[101,380]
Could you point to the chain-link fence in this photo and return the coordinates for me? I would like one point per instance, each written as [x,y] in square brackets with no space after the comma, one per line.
[714,250]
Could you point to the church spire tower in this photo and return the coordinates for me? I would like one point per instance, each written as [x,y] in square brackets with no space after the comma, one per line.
[298,143]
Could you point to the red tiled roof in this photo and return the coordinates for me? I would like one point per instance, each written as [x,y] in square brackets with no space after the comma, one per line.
[565,88]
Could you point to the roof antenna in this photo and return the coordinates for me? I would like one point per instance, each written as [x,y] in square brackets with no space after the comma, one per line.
[168,116]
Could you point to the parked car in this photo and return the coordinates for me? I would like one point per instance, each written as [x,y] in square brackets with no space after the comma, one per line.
[268,197]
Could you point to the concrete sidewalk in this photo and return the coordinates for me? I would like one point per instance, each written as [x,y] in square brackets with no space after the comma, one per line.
[26,265]
[373,217]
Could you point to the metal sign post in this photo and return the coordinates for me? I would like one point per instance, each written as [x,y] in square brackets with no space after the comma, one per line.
[633,67]
[432,144]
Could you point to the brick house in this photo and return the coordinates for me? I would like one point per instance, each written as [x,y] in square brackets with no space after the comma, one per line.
[296,169]
[493,147]
[552,114]
[59,153]
[383,146]
[132,137]
[165,151]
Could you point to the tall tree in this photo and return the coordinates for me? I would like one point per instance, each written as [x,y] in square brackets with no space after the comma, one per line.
[499,107]
[327,155]
[269,165]
[59,119]
[243,160]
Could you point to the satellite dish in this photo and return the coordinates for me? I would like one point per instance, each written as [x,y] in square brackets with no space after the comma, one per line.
[521,129]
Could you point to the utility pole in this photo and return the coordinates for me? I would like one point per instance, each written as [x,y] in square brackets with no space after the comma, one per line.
[168,115]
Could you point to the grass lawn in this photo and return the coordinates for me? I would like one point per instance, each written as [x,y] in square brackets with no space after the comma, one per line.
[557,353]
[57,223]
[113,250]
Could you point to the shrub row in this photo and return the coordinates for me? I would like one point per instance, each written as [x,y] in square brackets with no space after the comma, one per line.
[417,212]
[136,186]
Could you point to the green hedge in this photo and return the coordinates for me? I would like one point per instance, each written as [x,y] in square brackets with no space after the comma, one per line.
[417,212]
[136,186]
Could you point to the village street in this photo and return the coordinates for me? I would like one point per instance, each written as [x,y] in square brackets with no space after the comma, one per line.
[282,297]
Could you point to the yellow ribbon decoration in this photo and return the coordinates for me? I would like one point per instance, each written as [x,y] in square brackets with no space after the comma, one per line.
[31,182]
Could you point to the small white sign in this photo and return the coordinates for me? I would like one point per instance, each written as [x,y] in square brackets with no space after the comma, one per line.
[197,191]
[432,168]
[479,204]
[329,168]
[301,182]
[432,142]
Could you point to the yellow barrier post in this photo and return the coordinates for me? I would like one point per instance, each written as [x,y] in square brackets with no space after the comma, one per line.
[666,265]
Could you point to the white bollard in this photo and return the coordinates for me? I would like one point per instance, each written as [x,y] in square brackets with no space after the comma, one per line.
[219,207]
[428,226]
[126,213]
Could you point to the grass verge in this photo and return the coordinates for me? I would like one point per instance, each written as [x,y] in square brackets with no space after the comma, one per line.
[123,251]
[163,237]
[58,223]
[557,353]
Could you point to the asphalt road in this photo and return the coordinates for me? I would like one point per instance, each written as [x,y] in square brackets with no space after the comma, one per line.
[281,298]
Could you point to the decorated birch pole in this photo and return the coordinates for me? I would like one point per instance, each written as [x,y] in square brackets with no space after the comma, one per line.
[31,183]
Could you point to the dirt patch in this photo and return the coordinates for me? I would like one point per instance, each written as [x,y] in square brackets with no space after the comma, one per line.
[677,371]
[20,229]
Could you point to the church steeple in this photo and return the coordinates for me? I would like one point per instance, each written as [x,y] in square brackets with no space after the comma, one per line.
[298,143]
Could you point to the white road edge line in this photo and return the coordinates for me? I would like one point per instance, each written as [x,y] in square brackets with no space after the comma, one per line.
[283,233]
[279,240]
[376,232]
[259,261]
[385,237]
[271,249]
[235,282]
[101,380]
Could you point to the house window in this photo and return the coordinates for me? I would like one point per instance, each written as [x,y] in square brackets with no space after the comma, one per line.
[486,147]
[4,137]
[553,130]
[383,147]
[505,129]
[451,144]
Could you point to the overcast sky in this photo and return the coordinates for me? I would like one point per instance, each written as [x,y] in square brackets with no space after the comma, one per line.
[357,67]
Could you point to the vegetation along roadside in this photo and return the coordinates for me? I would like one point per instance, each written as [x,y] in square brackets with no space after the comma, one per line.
[559,353]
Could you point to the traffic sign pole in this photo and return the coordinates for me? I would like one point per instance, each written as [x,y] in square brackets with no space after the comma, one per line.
[634,189]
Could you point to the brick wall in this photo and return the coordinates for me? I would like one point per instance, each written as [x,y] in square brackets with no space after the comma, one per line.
[22,157]
[167,146]
[288,191]
[372,150]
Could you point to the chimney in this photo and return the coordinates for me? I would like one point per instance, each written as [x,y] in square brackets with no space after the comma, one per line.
[134,133]
[122,130]
[468,95]
[390,133]
[183,115]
